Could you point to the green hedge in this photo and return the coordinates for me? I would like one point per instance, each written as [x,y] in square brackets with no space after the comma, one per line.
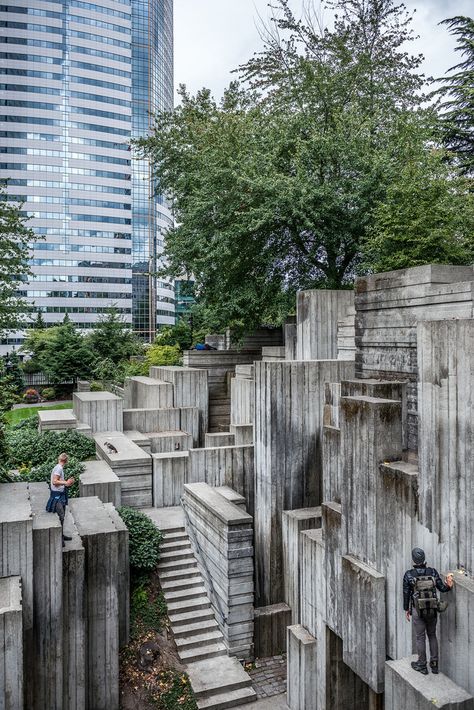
[144,540]
[41,473]
[28,447]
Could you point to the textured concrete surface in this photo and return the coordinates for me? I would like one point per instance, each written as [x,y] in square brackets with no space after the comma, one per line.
[131,464]
[405,688]
[147,393]
[98,479]
[11,644]
[293,523]
[102,411]
[170,473]
[158,420]
[301,674]
[317,315]
[270,624]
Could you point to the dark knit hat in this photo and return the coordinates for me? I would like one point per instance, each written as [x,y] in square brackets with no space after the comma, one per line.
[418,555]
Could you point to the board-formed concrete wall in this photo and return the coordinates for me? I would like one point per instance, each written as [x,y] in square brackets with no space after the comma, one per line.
[293,523]
[457,633]
[99,480]
[446,407]
[302,650]
[388,308]
[11,644]
[317,315]
[161,420]
[170,473]
[131,464]
[102,411]
[221,535]
[191,389]
[147,393]
[288,454]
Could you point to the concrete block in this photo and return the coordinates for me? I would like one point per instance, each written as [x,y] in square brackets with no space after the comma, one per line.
[74,622]
[270,623]
[191,389]
[293,523]
[232,496]
[11,644]
[148,393]
[169,476]
[405,688]
[288,454]
[290,341]
[363,609]
[273,352]
[219,439]
[132,466]
[165,441]
[102,411]
[242,396]
[446,435]
[243,434]
[98,479]
[46,687]
[139,439]
[317,315]
[231,466]
[332,534]
[170,419]
[56,420]
[101,541]
[301,669]
[123,575]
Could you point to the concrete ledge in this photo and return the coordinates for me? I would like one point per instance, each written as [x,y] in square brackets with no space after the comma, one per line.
[301,669]
[270,624]
[405,688]
[11,644]
[139,439]
[219,439]
[232,496]
[99,480]
[166,441]
[56,420]
[170,419]
[131,464]
[243,434]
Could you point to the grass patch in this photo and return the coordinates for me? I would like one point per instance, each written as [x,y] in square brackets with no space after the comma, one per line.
[147,610]
[14,416]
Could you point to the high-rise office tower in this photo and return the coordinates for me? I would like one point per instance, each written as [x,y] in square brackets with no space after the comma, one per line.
[78,81]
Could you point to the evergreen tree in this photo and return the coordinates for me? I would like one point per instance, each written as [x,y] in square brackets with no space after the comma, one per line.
[113,339]
[15,372]
[66,356]
[458,95]
[14,251]
[38,323]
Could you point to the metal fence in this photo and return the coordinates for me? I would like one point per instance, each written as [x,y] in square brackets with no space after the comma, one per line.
[35,379]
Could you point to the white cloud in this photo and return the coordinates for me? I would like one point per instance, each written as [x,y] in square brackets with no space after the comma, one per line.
[212,37]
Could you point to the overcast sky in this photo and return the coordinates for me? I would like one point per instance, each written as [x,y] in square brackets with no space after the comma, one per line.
[212,37]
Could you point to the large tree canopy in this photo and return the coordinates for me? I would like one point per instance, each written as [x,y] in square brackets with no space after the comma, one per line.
[273,188]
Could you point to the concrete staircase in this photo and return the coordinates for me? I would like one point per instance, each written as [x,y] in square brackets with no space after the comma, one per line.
[218,681]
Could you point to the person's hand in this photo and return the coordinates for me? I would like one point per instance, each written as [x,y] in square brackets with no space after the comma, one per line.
[449,581]
[408,616]
[70,481]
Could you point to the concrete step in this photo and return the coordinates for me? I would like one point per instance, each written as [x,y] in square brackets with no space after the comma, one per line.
[174,544]
[212,650]
[203,639]
[183,594]
[187,564]
[211,677]
[189,605]
[184,583]
[176,574]
[176,554]
[228,699]
[183,618]
[196,628]
[168,533]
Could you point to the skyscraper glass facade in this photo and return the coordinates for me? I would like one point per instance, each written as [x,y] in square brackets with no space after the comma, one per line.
[78,81]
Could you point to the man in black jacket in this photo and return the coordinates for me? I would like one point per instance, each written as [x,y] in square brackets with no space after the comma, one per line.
[424,621]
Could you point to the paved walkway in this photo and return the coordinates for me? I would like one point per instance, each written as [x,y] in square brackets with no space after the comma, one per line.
[277,702]
[269,676]
[52,403]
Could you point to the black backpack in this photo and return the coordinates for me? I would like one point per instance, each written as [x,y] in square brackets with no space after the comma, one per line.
[425,597]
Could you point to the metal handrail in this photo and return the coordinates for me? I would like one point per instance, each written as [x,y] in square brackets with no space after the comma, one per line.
[213,593]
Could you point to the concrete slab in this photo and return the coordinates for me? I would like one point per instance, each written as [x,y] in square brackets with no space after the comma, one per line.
[166,518]
[99,480]
[405,688]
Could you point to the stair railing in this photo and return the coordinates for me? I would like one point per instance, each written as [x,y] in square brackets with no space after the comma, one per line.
[213,594]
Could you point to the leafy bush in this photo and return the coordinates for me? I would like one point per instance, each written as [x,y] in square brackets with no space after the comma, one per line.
[28,423]
[162,355]
[29,446]
[144,540]
[42,473]
[96,386]
[48,393]
[31,395]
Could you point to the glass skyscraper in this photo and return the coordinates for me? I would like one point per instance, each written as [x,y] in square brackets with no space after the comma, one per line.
[79,80]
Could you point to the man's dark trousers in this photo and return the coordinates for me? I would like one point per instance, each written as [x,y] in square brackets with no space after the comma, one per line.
[423,628]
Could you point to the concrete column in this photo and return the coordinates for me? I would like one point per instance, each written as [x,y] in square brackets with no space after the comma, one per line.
[301,674]
[11,644]
[371,433]
[363,609]
[456,633]
[288,454]
[99,480]
[332,533]
[169,476]
[317,315]
[148,393]
[242,395]
[46,687]
[73,659]
[446,427]
[293,523]
[101,542]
